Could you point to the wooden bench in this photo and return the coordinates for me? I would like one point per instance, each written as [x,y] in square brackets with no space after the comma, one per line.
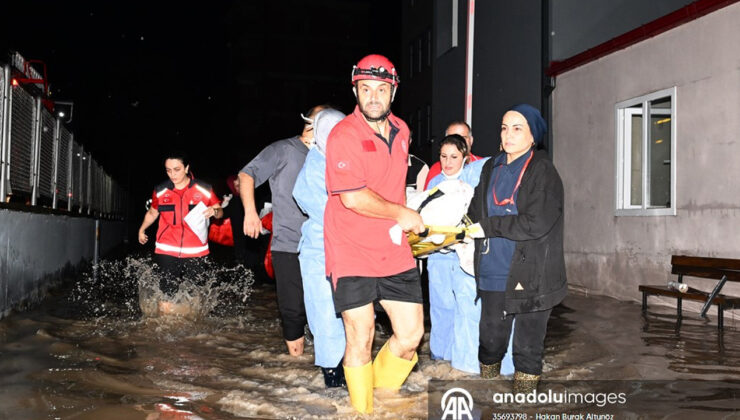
[721,269]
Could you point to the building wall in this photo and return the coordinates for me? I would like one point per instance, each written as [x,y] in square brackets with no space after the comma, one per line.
[507,61]
[415,69]
[37,250]
[449,75]
[507,65]
[577,25]
[611,255]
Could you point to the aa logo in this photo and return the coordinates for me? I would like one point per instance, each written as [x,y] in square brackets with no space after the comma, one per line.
[457,404]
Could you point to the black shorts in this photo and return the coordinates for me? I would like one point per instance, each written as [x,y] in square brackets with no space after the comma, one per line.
[354,292]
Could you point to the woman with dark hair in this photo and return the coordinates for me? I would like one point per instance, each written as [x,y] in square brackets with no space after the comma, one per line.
[519,265]
[453,310]
[177,245]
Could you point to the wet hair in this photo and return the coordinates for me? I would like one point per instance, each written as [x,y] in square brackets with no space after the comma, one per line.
[456,140]
[460,122]
[179,155]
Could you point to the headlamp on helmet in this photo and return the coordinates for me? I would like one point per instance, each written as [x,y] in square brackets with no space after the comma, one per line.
[375,67]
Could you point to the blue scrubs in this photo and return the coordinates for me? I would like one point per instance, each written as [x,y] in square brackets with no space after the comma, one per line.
[455,315]
[326,326]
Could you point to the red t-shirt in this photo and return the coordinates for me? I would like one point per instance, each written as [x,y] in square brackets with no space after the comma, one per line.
[357,158]
[436,169]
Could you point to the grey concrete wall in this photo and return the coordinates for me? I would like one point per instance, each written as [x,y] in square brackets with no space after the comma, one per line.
[577,25]
[611,255]
[37,249]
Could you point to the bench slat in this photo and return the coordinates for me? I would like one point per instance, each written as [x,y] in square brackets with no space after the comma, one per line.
[705,272]
[726,301]
[708,262]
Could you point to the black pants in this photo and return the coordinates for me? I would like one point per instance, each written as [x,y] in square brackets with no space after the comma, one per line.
[172,270]
[529,334]
[289,294]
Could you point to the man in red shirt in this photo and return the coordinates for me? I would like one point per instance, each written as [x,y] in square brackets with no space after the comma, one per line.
[462,129]
[366,163]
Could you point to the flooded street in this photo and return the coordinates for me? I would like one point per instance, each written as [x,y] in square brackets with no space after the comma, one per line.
[88,353]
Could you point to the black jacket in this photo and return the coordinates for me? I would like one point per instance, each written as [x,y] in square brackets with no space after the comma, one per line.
[538,264]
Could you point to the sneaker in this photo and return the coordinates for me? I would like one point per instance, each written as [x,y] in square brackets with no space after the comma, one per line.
[334,377]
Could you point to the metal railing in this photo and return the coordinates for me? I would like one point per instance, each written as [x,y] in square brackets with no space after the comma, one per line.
[42,164]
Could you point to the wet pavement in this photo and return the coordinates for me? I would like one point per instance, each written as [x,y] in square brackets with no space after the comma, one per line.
[87,352]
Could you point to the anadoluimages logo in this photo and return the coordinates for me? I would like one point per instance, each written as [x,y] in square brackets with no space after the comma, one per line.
[457,403]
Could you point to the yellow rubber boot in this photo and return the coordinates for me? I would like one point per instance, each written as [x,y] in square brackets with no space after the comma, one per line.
[389,370]
[360,386]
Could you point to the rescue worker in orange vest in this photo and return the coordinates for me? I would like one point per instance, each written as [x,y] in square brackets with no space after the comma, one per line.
[177,247]
[368,259]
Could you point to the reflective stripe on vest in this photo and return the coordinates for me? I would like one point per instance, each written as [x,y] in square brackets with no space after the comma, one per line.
[203,190]
[184,250]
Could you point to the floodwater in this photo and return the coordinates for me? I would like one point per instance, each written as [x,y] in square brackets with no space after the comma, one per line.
[88,352]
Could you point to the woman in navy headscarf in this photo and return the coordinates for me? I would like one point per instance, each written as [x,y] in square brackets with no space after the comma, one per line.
[519,265]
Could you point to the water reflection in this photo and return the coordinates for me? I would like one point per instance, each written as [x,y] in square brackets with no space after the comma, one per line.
[91,352]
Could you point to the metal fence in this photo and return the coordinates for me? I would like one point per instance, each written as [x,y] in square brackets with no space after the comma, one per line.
[41,162]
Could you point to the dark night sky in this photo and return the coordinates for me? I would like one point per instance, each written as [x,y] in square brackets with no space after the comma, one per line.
[219,80]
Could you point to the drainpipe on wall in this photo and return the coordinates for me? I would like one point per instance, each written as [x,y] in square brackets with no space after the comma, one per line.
[548,82]
[469,64]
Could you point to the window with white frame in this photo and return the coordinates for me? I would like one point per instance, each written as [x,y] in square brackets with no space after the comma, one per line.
[646,155]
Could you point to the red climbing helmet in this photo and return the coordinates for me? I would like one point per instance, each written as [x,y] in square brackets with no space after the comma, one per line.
[375,67]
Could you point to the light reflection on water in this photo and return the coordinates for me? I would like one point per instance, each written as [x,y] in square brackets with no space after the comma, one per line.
[89,353]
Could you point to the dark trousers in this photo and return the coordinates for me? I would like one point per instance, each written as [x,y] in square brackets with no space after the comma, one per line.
[495,329]
[173,270]
[289,294]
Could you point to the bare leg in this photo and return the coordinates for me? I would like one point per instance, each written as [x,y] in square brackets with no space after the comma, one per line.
[295,347]
[359,327]
[407,321]
[172,308]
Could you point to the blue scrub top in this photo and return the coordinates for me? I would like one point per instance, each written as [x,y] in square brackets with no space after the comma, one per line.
[495,261]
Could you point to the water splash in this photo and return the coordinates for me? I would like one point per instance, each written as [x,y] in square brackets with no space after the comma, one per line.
[129,290]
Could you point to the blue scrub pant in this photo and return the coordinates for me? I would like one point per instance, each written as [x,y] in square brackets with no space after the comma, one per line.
[325,324]
[454,313]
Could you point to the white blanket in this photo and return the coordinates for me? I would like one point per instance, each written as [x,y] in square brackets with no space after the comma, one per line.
[446,210]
